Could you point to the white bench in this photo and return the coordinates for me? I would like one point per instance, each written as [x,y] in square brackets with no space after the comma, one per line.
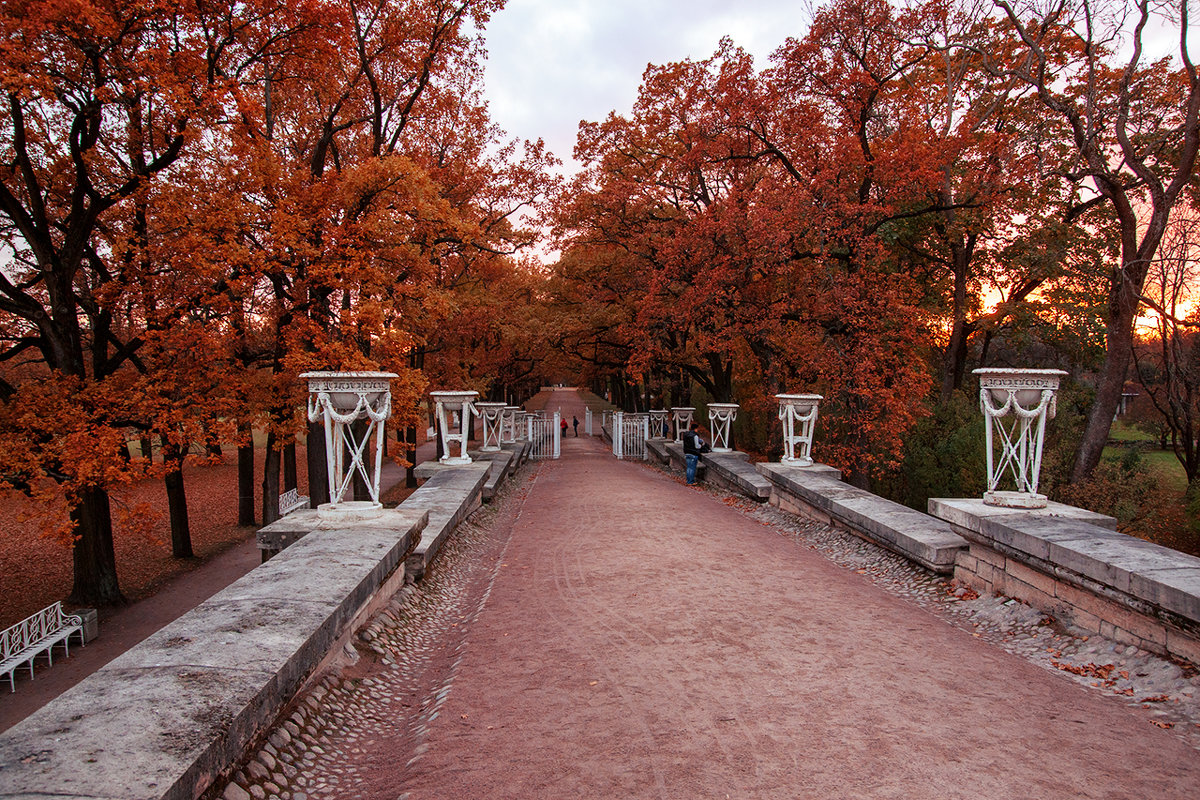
[32,636]
[291,501]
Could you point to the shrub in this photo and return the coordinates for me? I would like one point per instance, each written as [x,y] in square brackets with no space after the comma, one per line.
[943,456]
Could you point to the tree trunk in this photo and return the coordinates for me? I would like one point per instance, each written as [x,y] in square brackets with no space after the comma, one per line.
[181,536]
[270,484]
[147,447]
[954,359]
[289,466]
[95,561]
[245,461]
[410,455]
[1118,354]
[318,476]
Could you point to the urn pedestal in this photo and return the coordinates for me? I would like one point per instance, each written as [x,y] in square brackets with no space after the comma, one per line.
[447,405]
[341,399]
[1016,404]
[798,413]
[720,422]
[659,423]
[681,419]
[492,415]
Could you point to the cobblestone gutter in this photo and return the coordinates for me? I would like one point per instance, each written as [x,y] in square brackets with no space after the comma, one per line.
[366,719]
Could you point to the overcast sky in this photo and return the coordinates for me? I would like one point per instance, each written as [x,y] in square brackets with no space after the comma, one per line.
[552,63]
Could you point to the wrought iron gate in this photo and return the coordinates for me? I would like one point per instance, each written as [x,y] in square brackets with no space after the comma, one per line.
[630,432]
[544,434]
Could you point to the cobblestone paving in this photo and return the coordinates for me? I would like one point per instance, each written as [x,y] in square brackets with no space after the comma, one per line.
[371,716]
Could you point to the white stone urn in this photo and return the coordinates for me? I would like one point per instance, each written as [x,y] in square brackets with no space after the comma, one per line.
[682,419]
[1016,403]
[449,403]
[492,416]
[659,422]
[341,399]
[720,421]
[798,413]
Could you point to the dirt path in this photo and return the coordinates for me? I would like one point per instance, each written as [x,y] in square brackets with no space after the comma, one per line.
[641,639]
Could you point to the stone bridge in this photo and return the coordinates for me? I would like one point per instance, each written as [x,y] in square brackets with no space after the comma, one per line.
[599,629]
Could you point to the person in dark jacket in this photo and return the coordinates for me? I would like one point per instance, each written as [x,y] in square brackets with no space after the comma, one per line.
[693,446]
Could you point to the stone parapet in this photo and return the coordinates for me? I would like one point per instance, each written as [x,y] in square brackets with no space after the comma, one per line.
[450,495]
[500,465]
[657,448]
[817,491]
[734,471]
[1071,563]
[168,716]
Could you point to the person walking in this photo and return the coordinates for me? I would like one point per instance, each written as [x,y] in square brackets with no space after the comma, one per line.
[575,422]
[693,447]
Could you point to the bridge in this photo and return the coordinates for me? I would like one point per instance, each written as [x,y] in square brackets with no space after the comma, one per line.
[600,629]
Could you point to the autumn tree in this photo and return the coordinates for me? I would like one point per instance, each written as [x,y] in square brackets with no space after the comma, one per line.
[100,99]
[1167,356]
[1134,130]
[735,203]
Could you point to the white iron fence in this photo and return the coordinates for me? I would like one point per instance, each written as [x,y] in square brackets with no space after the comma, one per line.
[545,435]
[630,432]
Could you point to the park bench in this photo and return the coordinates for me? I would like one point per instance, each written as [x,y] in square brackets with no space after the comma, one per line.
[291,501]
[34,635]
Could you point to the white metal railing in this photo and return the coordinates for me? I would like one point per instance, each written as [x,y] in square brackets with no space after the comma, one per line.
[587,421]
[544,435]
[630,432]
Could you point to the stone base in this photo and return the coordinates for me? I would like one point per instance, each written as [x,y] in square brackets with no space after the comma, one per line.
[818,493]
[796,462]
[349,511]
[1070,563]
[1015,499]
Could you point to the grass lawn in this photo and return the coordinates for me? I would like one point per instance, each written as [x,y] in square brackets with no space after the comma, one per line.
[1167,466]
[1162,462]
[1124,432]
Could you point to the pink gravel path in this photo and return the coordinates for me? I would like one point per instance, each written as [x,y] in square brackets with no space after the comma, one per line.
[643,640]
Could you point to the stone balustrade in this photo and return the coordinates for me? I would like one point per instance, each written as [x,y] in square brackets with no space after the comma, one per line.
[173,713]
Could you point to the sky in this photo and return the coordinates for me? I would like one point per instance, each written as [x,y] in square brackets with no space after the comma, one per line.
[552,63]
